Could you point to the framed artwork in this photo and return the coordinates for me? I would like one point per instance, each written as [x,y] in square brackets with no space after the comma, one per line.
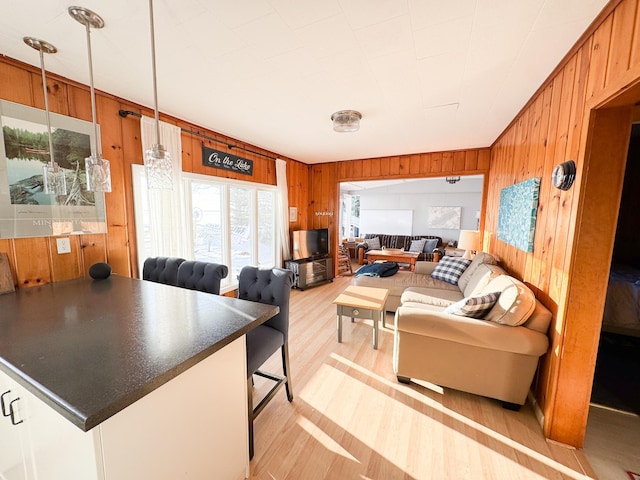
[25,210]
[444,217]
[518,214]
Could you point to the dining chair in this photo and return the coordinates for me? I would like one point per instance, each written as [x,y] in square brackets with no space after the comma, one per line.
[202,276]
[162,269]
[273,287]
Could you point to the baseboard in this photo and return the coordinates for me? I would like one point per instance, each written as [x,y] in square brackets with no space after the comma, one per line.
[537,411]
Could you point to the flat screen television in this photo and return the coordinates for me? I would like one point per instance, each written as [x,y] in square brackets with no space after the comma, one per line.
[310,243]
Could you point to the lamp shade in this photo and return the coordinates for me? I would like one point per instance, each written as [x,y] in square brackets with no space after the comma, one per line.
[469,240]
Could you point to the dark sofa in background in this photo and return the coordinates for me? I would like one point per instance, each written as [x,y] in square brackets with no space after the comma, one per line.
[398,241]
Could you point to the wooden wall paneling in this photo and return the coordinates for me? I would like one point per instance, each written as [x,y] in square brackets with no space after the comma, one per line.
[414,164]
[131,154]
[6,246]
[458,161]
[447,162]
[65,266]
[624,18]
[115,201]
[484,159]
[471,160]
[93,249]
[79,103]
[596,221]
[599,56]
[33,265]
[634,58]
[366,169]
[376,167]
[404,165]
[433,162]
[56,92]
[16,84]
[189,151]
[118,250]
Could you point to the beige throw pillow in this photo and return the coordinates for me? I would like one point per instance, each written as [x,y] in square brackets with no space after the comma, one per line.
[479,259]
[516,303]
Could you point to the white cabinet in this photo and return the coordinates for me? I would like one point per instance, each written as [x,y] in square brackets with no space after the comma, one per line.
[194,426]
[13,463]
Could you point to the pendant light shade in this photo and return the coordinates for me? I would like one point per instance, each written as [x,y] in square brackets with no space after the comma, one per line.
[157,160]
[53,177]
[98,169]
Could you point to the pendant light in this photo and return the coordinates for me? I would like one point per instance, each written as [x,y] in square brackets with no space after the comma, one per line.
[53,178]
[157,160]
[98,169]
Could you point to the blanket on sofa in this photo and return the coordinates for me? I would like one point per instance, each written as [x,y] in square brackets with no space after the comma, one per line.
[385,269]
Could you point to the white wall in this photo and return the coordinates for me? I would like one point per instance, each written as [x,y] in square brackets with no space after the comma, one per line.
[420,195]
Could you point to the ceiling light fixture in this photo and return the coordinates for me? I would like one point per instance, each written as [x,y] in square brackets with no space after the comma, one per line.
[157,160]
[452,180]
[98,169]
[53,178]
[346,121]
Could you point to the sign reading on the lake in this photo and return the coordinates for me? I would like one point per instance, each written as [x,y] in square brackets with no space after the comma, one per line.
[217,159]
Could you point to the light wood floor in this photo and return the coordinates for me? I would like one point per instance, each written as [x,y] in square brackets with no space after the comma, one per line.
[351,419]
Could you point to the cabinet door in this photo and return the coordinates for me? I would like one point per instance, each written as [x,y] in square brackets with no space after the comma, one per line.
[13,464]
[56,448]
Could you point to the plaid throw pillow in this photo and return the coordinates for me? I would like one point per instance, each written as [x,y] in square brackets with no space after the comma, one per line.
[474,307]
[449,269]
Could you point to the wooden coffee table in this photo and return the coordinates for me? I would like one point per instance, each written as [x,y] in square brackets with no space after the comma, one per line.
[393,256]
[362,302]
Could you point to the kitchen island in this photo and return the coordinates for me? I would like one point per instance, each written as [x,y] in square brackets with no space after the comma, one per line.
[124,378]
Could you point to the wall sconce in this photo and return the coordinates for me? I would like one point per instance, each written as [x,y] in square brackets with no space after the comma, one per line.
[452,180]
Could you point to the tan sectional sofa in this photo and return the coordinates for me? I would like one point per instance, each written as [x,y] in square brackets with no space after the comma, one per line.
[496,356]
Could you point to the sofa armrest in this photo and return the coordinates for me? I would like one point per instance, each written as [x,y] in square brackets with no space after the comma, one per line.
[479,333]
[425,267]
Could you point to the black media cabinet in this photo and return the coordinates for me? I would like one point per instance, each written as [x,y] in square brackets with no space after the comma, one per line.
[310,272]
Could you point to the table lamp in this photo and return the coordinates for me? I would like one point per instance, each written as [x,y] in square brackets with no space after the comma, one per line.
[469,241]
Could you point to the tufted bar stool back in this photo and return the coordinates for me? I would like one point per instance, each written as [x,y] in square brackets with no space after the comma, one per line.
[201,276]
[273,287]
[162,269]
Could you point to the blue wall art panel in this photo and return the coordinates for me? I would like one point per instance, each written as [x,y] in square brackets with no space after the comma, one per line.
[518,213]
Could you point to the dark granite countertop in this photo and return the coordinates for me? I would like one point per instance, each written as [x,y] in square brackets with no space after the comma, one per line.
[91,348]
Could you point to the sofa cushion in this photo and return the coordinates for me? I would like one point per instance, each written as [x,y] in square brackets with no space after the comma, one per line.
[474,307]
[435,296]
[516,303]
[481,277]
[430,245]
[449,269]
[417,245]
[481,258]
[374,243]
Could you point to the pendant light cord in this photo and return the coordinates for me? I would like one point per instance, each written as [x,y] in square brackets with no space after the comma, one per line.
[46,107]
[98,148]
[153,66]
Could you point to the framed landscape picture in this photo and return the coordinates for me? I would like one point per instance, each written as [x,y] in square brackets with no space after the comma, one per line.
[25,209]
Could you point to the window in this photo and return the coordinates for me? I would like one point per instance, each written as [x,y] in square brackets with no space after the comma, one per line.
[230,222]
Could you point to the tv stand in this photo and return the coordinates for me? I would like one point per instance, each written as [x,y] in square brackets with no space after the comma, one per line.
[310,271]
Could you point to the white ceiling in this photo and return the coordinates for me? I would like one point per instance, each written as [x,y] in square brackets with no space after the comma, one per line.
[427,75]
